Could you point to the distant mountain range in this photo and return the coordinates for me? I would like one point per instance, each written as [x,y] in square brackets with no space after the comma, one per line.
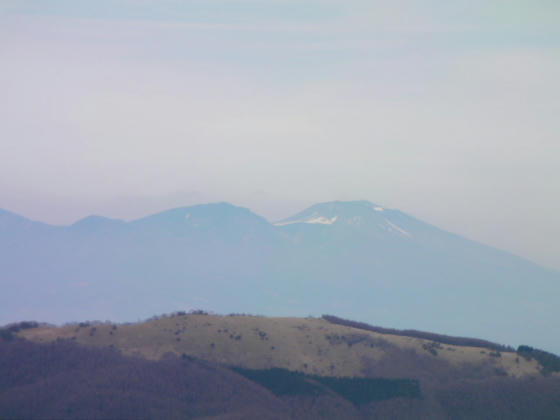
[356,259]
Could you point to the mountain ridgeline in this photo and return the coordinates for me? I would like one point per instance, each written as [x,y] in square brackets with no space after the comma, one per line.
[356,259]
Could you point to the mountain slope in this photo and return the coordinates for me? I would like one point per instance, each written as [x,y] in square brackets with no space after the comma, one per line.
[387,267]
[356,259]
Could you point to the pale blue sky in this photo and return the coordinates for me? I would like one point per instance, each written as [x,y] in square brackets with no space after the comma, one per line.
[446,110]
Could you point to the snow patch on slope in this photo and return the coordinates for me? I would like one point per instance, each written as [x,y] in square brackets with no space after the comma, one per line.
[397,228]
[322,220]
[315,221]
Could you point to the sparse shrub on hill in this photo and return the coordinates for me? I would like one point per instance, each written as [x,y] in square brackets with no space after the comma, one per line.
[432,347]
[445,339]
[198,312]
[352,339]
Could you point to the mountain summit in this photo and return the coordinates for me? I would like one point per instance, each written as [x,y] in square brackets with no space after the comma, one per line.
[357,214]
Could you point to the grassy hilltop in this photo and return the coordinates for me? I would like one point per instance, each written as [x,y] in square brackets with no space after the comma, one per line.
[310,345]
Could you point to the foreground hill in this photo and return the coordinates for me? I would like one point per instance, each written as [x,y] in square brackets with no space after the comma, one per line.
[310,345]
[356,259]
[65,381]
[200,366]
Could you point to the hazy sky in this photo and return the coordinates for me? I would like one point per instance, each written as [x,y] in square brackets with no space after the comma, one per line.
[447,110]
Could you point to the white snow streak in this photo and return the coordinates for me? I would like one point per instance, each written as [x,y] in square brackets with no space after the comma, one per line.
[315,221]
[404,232]
[321,220]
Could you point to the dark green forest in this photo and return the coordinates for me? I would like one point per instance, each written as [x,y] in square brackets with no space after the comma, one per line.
[356,390]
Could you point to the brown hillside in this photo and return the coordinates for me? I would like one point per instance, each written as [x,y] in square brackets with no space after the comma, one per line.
[309,345]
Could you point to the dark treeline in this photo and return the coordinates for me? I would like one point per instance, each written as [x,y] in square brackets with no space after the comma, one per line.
[366,390]
[550,362]
[356,390]
[440,338]
[7,332]
[282,381]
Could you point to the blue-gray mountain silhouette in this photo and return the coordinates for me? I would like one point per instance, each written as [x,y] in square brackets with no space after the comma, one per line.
[355,259]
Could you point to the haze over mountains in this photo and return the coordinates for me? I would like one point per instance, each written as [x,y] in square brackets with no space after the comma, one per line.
[355,259]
